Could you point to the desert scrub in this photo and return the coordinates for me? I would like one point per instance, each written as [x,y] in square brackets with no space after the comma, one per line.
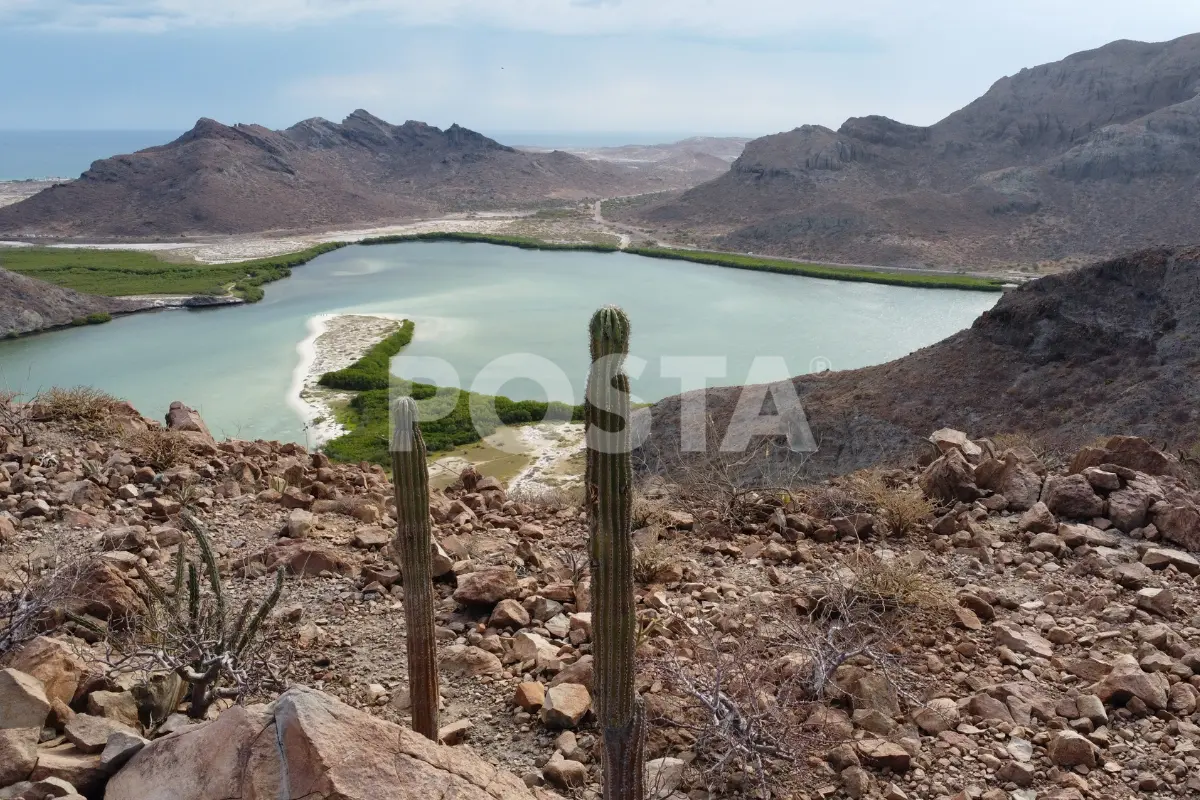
[900,508]
[86,409]
[738,261]
[372,370]
[160,448]
[115,273]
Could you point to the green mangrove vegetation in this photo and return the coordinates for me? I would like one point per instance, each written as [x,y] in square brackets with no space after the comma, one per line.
[523,242]
[451,417]
[857,274]
[114,273]
[97,318]
[371,371]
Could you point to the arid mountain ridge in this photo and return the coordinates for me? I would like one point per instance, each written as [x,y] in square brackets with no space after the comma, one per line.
[1083,158]
[220,179]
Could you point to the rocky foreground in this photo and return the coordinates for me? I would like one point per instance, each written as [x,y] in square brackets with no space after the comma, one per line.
[977,624]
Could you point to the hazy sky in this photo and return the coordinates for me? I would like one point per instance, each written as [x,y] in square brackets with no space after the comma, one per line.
[648,66]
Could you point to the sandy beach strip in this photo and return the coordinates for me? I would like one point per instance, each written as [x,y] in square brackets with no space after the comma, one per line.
[334,341]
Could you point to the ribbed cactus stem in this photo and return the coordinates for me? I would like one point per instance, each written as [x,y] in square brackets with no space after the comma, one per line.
[609,482]
[412,544]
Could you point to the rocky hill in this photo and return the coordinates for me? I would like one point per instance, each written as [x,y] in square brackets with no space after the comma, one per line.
[246,178]
[31,305]
[1067,358]
[1082,158]
[985,626]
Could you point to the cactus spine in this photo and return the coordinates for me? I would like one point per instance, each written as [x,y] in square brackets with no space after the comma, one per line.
[609,484]
[412,544]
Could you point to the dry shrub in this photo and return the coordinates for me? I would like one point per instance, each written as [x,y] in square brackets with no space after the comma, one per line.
[648,511]
[745,690]
[900,508]
[87,410]
[649,562]
[895,584]
[830,500]
[553,498]
[160,448]
[15,418]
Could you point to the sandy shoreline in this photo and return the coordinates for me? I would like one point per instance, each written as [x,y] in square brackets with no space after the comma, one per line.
[334,341]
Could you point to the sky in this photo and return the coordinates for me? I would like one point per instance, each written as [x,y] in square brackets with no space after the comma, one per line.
[645,67]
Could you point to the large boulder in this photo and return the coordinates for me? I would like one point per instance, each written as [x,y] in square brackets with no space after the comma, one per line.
[182,418]
[1072,496]
[950,478]
[57,663]
[1178,523]
[1131,452]
[23,701]
[487,586]
[1017,475]
[307,744]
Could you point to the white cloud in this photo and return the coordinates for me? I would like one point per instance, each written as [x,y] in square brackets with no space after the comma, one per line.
[721,19]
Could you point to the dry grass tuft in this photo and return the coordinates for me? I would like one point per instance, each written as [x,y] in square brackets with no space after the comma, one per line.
[650,562]
[87,410]
[160,448]
[553,498]
[900,508]
[896,584]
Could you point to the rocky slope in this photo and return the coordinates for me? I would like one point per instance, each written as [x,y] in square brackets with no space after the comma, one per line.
[31,305]
[316,174]
[1063,359]
[985,626]
[1078,159]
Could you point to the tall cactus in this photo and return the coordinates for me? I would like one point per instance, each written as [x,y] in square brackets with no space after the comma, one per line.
[412,543]
[609,484]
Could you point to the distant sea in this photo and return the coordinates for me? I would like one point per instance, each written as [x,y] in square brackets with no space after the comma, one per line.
[66,154]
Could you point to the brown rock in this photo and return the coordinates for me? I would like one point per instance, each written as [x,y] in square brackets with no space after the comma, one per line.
[89,734]
[302,558]
[82,770]
[530,695]
[1072,496]
[1021,640]
[509,614]
[467,660]
[882,754]
[565,773]
[487,586]
[18,753]
[939,714]
[118,706]
[1013,476]
[1128,507]
[1069,749]
[1179,524]
[182,418]
[1162,557]
[1038,519]
[1131,452]
[56,663]
[565,705]
[23,701]
[104,593]
[950,478]
[316,745]
[1126,680]
[580,672]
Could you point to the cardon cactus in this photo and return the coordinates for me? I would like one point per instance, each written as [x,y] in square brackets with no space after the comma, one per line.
[412,544]
[609,485]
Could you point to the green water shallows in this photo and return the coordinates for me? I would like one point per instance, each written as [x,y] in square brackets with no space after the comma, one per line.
[473,303]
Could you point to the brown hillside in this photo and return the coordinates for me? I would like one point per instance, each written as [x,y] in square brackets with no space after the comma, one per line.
[1084,158]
